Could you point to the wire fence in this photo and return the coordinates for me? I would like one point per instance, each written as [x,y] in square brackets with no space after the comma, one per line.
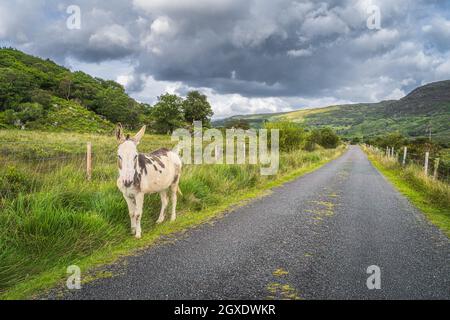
[94,160]
[17,159]
[432,166]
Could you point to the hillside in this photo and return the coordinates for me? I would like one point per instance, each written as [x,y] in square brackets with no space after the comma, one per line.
[39,94]
[426,106]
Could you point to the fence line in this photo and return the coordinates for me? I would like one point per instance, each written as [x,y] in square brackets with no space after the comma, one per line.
[432,166]
[438,169]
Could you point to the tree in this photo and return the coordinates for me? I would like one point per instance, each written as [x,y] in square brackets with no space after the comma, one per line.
[167,113]
[237,124]
[116,106]
[312,140]
[29,111]
[65,87]
[324,137]
[392,139]
[42,97]
[15,87]
[291,135]
[328,138]
[197,108]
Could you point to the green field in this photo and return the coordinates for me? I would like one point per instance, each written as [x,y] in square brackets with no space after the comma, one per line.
[51,216]
[425,108]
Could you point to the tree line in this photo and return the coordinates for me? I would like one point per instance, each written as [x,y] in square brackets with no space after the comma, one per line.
[32,88]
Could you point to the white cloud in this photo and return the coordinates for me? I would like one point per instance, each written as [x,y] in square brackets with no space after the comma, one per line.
[4,20]
[199,6]
[114,35]
[248,56]
[323,25]
[374,40]
[251,33]
[299,52]
[161,26]
[437,32]
[395,94]
[443,70]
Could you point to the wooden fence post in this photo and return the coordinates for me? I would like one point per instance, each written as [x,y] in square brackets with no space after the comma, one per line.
[404,155]
[392,152]
[427,155]
[89,161]
[387,151]
[436,165]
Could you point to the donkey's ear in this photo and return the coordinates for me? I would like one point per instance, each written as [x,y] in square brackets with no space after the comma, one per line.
[119,133]
[139,135]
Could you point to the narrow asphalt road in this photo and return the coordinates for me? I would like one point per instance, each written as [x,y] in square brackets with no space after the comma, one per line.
[312,238]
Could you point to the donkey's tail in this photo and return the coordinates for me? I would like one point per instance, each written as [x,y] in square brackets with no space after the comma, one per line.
[179,190]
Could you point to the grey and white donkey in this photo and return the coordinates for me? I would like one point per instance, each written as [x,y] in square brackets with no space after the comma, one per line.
[141,173]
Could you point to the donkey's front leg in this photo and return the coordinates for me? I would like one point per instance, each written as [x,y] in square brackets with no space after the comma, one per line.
[139,198]
[131,202]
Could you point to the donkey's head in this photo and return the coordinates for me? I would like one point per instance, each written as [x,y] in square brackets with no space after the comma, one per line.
[127,154]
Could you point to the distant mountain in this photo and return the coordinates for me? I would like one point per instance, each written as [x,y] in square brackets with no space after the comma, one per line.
[425,107]
[39,94]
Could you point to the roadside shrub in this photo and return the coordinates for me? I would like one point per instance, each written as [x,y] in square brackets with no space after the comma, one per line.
[292,136]
[328,138]
[324,137]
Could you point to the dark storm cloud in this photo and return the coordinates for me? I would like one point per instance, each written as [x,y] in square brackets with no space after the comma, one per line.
[253,48]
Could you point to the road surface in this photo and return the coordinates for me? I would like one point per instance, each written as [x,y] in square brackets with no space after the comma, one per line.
[312,238]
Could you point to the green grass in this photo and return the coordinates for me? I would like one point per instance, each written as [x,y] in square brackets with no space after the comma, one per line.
[51,217]
[362,120]
[432,197]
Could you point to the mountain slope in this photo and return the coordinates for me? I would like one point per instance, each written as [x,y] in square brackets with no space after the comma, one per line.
[39,94]
[425,107]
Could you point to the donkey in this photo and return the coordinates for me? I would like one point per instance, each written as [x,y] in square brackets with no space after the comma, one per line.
[141,173]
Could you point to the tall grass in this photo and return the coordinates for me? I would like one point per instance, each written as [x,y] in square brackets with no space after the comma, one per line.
[431,196]
[52,217]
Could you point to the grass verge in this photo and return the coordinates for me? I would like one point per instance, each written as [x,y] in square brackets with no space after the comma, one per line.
[431,197]
[52,219]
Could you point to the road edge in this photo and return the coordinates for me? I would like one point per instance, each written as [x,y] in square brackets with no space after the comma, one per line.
[37,287]
[433,214]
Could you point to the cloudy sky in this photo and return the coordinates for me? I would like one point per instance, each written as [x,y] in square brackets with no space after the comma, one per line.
[247,56]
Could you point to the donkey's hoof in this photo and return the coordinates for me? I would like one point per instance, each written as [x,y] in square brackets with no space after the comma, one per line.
[172,219]
[159,221]
[137,236]
[133,231]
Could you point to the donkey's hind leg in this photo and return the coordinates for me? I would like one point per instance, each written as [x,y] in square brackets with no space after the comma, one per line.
[164,202]
[174,190]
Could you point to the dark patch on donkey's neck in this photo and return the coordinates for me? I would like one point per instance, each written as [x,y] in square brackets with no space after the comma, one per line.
[157,154]
[142,162]
[140,169]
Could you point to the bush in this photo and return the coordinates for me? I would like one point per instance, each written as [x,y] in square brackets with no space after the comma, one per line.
[324,137]
[355,140]
[292,136]
[328,138]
